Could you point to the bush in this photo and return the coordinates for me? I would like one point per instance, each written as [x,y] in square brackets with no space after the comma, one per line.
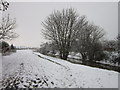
[13,48]
[100,56]
[4,47]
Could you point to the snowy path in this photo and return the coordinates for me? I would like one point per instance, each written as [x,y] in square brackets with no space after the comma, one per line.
[26,69]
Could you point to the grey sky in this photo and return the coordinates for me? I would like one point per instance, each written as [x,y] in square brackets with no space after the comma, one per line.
[29,16]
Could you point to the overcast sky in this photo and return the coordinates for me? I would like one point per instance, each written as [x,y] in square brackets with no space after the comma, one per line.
[29,16]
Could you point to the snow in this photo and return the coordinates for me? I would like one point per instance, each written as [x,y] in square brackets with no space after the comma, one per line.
[31,69]
[108,62]
[73,55]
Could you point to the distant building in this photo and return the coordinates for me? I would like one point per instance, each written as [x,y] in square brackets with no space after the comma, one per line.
[110,49]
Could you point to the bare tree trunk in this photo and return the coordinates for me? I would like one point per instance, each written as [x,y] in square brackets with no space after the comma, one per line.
[91,57]
[65,55]
[61,54]
[84,57]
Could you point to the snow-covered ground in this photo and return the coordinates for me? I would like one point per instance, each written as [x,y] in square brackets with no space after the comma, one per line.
[26,69]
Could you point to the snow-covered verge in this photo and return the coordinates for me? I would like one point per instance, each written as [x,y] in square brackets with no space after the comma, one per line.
[30,69]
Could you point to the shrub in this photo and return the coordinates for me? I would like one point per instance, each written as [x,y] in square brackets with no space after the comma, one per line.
[4,47]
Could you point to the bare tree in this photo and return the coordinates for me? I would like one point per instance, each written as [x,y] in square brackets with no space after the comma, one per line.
[6,28]
[118,38]
[112,44]
[62,28]
[88,41]
[3,5]
[118,59]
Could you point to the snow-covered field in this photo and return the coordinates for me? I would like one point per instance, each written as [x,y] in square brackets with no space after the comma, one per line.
[26,69]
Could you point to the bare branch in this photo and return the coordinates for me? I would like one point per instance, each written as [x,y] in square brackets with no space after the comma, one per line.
[6,27]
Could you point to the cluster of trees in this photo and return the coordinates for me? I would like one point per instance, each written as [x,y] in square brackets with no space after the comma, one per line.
[118,42]
[69,31]
[7,25]
[113,51]
[48,48]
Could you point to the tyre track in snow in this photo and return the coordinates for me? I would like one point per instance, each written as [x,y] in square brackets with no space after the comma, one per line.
[39,80]
[13,80]
[69,78]
[54,62]
[36,80]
